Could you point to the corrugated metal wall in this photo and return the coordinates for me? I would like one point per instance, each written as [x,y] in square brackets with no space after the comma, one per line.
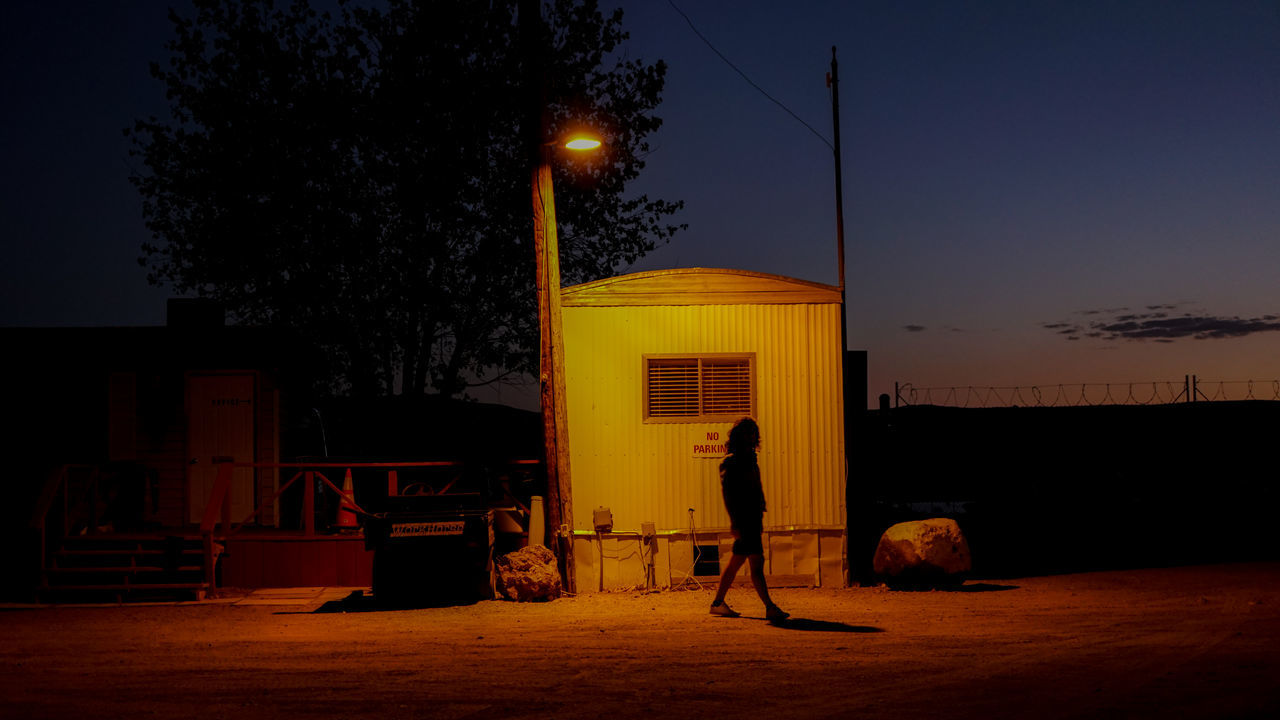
[647,471]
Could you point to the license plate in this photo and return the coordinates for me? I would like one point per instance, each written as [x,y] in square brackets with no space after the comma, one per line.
[426,529]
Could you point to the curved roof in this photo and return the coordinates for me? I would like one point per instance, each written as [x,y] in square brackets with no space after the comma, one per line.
[698,286]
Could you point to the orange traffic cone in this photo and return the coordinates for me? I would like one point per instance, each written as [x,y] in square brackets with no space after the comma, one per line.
[347,506]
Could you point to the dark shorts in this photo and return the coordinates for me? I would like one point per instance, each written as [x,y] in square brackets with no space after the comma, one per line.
[749,542]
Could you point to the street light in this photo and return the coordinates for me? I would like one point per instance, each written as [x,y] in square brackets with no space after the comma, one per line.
[582,142]
[551,360]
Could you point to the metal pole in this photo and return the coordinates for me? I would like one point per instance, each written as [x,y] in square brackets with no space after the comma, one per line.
[833,81]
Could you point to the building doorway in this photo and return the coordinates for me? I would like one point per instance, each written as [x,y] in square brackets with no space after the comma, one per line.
[220,428]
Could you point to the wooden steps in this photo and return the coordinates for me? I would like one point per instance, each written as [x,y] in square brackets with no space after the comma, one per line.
[121,568]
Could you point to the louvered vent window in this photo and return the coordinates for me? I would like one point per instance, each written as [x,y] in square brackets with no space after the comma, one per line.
[711,386]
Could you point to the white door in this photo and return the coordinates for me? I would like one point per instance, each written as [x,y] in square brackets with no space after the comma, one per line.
[219,428]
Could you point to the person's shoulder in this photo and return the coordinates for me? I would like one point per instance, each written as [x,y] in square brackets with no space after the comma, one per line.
[728,461]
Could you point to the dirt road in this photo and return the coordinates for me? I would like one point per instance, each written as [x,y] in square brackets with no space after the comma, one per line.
[1201,642]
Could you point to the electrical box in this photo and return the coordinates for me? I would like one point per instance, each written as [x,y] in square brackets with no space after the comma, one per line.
[603,519]
[647,530]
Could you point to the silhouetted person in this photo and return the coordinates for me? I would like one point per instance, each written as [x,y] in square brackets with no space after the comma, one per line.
[744,499]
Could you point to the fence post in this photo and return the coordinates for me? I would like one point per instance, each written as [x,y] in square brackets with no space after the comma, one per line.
[210,572]
[219,505]
[93,501]
[226,498]
[309,504]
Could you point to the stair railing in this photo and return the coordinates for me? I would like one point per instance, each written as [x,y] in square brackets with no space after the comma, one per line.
[57,486]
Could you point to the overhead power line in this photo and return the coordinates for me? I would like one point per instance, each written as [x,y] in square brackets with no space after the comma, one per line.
[750,82]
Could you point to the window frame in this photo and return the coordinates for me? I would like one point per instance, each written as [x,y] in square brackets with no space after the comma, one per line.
[646,362]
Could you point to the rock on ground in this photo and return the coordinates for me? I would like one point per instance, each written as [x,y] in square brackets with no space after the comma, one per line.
[528,574]
[923,551]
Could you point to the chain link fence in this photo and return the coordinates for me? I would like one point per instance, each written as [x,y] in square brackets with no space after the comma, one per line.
[1156,392]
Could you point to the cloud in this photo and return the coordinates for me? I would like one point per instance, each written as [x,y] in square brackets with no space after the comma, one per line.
[1158,326]
[913,328]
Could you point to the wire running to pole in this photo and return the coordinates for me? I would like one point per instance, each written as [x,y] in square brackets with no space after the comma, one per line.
[750,82]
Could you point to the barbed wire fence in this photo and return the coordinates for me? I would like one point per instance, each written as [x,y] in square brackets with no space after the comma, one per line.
[1158,392]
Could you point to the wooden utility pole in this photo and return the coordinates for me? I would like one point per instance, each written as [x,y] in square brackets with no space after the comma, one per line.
[547,284]
[551,370]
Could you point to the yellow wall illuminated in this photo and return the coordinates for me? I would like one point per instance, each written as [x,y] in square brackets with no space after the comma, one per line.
[648,471]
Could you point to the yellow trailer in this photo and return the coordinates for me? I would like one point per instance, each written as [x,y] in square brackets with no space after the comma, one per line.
[658,366]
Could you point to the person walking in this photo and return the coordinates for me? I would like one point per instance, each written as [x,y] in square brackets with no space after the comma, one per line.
[744,499]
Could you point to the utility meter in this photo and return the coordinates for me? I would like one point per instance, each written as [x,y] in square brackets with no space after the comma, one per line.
[603,519]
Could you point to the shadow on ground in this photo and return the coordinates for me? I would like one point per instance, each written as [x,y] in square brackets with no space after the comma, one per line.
[358,602]
[809,625]
[900,586]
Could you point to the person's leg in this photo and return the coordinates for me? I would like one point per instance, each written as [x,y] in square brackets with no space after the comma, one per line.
[757,579]
[726,577]
[771,612]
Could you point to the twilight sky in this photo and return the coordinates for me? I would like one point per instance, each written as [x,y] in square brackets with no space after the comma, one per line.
[1035,193]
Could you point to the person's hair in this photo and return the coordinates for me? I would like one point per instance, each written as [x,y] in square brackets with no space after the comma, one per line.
[744,437]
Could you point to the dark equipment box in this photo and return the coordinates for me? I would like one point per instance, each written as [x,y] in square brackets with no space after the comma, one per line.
[431,550]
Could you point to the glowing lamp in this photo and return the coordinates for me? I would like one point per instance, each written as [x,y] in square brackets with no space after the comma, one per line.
[582,142]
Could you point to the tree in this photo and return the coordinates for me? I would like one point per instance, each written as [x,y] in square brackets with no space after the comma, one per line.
[363,179]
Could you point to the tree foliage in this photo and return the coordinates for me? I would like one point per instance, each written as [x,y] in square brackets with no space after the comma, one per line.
[363,177]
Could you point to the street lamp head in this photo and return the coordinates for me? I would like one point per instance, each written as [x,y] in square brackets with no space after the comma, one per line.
[582,141]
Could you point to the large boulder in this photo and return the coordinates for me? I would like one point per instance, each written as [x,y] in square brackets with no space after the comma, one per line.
[528,574]
[923,552]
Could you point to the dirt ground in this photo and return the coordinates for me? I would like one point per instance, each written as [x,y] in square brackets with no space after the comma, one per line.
[1195,642]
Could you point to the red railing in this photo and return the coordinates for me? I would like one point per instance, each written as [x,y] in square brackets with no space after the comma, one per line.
[57,486]
[217,512]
